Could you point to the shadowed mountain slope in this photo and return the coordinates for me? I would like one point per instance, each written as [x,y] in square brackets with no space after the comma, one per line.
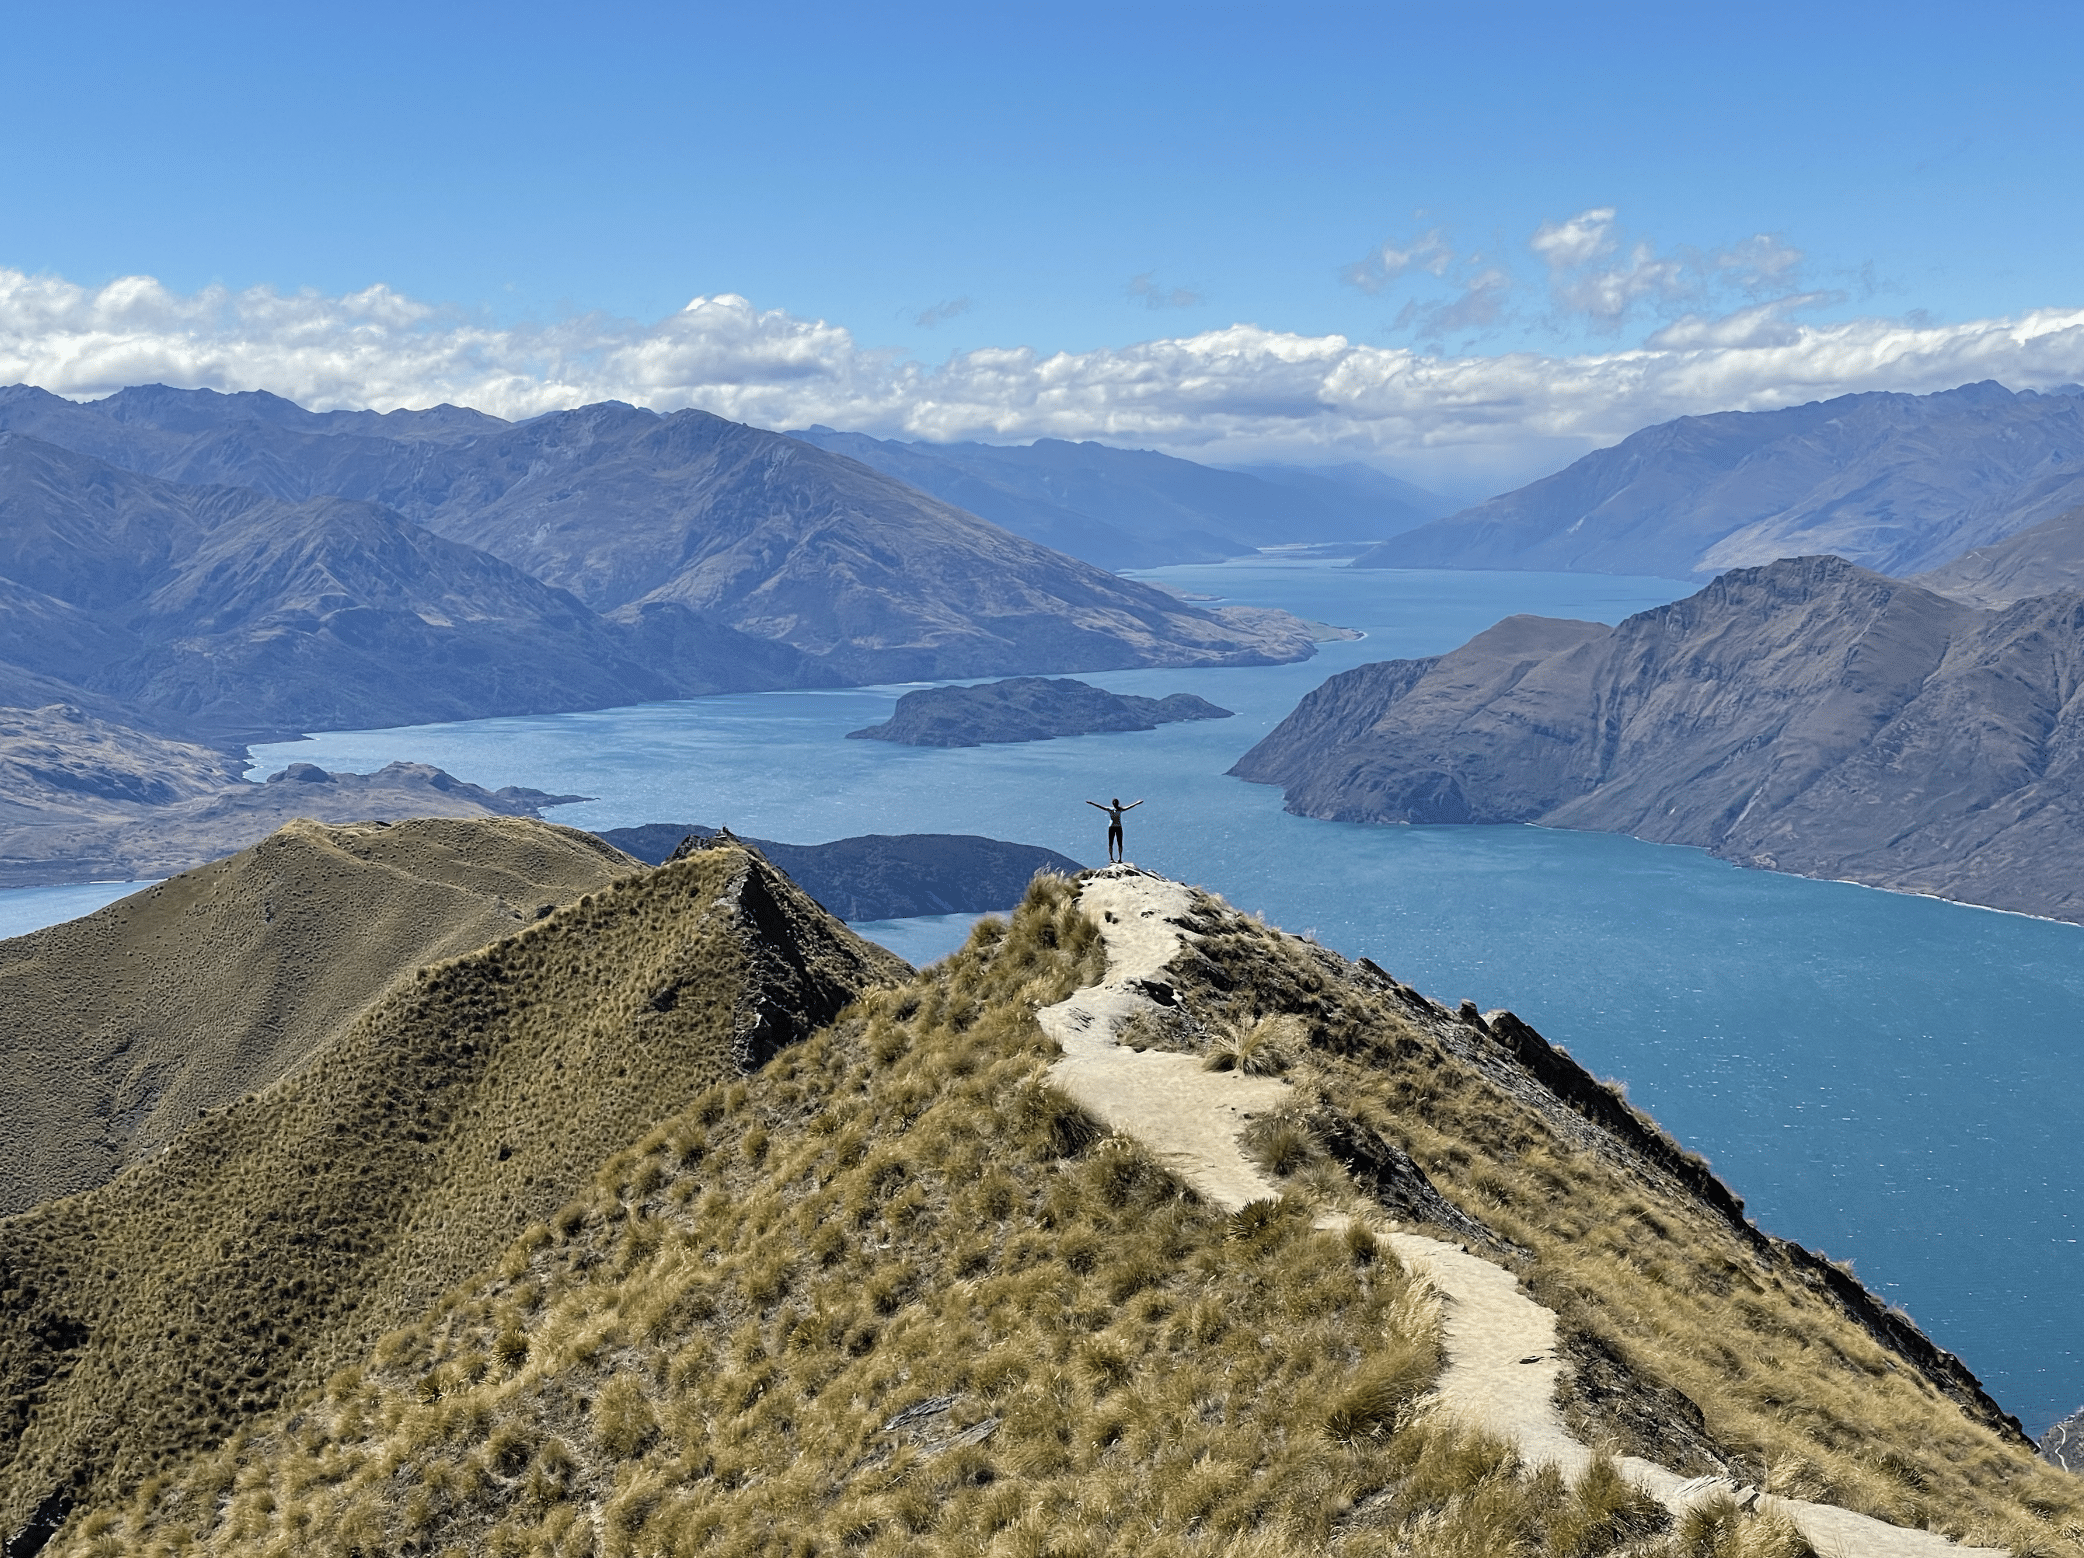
[275,1240]
[123,1027]
[1808,716]
[896,1293]
[239,614]
[1896,483]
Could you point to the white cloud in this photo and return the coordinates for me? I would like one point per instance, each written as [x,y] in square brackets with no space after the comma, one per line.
[1429,252]
[1586,237]
[1237,393]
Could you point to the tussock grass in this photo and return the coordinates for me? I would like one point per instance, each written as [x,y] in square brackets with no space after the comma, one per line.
[1791,1393]
[935,1310]
[118,1029]
[273,1242]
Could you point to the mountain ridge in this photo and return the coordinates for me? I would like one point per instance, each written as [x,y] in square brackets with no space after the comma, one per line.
[1897,483]
[1807,716]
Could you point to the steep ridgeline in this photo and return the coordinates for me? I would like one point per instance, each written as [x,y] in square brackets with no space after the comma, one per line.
[878,876]
[1808,716]
[1134,508]
[1027,708]
[122,1028]
[896,1292]
[1896,483]
[271,1242]
[690,533]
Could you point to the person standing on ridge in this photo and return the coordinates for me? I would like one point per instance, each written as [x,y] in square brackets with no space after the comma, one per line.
[1114,826]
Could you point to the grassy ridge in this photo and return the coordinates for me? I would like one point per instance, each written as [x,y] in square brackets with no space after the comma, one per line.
[1725,1343]
[119,1027]
[897,1295]
[894,1294]
[156,1314]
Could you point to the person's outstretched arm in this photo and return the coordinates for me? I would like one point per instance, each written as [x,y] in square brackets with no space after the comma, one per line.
[1096,803]
[1132,806]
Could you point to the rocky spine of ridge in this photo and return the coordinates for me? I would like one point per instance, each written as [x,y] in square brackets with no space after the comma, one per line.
[1808,716]
[1027,708]
[277,1237]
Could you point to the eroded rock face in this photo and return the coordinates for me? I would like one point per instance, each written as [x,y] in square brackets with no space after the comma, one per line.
[1807,716]
[1027,708]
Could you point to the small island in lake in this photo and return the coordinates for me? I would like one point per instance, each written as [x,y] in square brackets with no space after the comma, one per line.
[1027,708]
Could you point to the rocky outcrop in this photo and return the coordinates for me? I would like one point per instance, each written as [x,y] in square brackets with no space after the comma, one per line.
[1894,482]
[1027,708]
[878,876]
[1808,716]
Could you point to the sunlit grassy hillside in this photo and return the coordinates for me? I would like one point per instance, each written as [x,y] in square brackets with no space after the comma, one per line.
[116,1029]
[275,1239]
[893,1293]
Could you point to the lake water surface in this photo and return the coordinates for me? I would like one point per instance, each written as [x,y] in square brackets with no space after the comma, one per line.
[1892,1079]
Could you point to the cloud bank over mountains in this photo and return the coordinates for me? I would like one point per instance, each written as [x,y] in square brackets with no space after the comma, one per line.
[1239,393]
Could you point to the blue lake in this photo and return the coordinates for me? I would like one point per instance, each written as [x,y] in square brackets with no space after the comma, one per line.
[1891,1079]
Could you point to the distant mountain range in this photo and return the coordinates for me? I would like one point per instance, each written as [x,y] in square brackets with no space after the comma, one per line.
[1134,508]
[1808,716]
[233,565]
[1896,483]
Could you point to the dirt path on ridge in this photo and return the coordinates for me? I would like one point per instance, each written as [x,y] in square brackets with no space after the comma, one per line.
[1502,1368]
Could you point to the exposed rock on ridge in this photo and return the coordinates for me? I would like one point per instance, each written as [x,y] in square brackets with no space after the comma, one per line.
[1808,716]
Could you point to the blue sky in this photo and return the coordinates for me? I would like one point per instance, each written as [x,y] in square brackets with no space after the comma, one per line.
[935,180]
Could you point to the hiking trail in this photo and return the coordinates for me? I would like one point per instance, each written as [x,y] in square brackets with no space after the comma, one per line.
[1502,1368]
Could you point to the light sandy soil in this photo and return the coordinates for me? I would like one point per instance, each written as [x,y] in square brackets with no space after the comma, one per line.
[1502,1369]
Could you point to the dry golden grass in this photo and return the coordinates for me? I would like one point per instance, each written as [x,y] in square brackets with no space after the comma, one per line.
[163,1311]
[891,1295]
[116,1029]
[1796,1395]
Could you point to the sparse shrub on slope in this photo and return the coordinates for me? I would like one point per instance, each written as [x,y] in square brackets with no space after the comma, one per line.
[274,1241]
